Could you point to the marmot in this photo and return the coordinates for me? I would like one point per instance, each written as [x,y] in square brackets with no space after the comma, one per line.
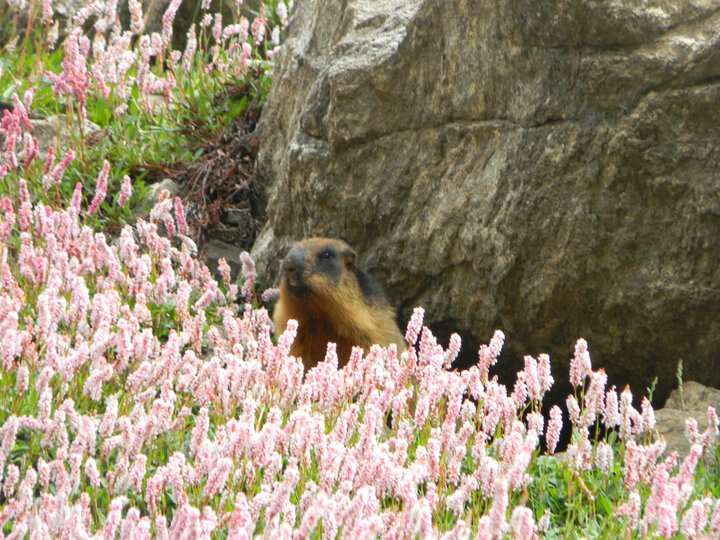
[333,300]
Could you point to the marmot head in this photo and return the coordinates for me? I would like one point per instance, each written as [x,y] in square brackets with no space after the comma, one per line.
[314,264]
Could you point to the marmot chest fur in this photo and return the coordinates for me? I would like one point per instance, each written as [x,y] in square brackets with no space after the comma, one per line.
[332,300]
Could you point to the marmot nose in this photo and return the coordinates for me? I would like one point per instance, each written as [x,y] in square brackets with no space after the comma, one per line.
[294,261]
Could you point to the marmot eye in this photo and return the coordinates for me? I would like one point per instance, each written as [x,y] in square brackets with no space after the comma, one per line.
[327,254]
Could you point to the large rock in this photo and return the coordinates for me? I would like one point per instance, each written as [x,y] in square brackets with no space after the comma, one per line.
[548,168]
[691,400]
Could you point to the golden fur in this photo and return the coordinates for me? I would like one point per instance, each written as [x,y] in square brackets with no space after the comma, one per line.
[334,310]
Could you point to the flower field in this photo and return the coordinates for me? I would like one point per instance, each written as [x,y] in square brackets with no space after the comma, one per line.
[143,398]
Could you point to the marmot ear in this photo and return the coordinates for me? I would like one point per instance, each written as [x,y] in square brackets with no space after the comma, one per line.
[350,256]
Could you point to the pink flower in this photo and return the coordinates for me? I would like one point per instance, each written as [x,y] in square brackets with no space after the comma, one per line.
[217,27]
[74,79]
[580,363]
[594,400]
[47,11]
[167,22]
[258,29]
[25,212]
[626,414]
[100,189]
[22,379]
[497,523]
[532,379]
[137,23]
[76,200]
[694,520]
[92,473]
[554,428]
[59,170]
[546,379]
[573,410]
[7,218]
[604,457]
[611,412]
[12,475]
[248,272]
[715,519]
[487,356]
[125,191]
[648,415]
[687,469]
[218,477]
[180,216]
[414,326]
[522,524]
[455,341]
[270,295]
[200,431]
[631,510]
[282,493]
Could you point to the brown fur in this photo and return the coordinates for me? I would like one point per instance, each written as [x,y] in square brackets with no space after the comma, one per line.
[334,309]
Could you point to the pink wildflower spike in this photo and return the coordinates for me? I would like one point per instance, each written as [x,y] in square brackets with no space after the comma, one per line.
[30,150]
[48,163]
[180,216]
[218,477]
[522,524]
[500,501]
[554,428]
[573,410]
[25,212]
[694,520]
[715,519]
[249,273]
[546,378]
[611,411]
[270,295]
[7,218]
[631,510]
[58,171]
[12,475]
[488,354]
[532,379]
[21,112]
[137,22]
[200,431]
[217,27]
[414,326]
[47,11]
[125,191]
[687,469]
[580,366]
[100,189]
[453,349]
[258,29]
[648,415]
[92,473]
[604,457]
[626,414]
[167,22]
[76,201]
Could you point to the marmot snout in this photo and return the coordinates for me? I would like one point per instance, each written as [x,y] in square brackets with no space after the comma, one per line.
[333,300]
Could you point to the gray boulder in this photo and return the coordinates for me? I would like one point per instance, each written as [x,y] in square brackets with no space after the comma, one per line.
[551,169]
[691,400]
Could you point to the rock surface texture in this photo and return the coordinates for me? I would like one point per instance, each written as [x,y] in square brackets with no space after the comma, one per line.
[690,401]
[551,169]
